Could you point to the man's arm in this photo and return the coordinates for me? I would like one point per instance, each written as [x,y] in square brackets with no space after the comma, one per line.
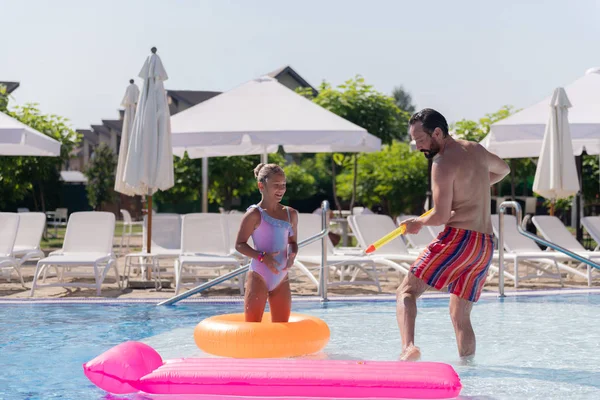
[497,166]
[442,186]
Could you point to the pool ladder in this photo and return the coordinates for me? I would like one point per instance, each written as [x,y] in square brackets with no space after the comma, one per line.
[242,270]
[513,204]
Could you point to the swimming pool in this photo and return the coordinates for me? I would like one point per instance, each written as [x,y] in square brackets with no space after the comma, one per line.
[529,347]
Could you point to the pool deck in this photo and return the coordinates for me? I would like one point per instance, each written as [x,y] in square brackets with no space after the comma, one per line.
[303,290]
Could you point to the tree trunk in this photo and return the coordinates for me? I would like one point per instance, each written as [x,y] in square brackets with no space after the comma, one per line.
[387,210]
[42,201]
[335,197]
[228,199]
[35,202]
[353,199]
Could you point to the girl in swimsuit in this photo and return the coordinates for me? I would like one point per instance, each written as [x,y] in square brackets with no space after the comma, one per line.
[273,228]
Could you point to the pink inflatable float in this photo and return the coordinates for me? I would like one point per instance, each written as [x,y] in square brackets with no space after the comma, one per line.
[135,367]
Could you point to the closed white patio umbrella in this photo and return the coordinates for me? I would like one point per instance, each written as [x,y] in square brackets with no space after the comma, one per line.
[129,103]
[149,162]
[556,174]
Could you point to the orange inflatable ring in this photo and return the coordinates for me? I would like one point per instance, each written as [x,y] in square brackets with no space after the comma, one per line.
[229,335]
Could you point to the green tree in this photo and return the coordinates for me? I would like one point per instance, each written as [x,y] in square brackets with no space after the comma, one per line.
[300,183]
[3,98]
[233,178]
[187,186]
[39,176]
[591,179]
[394,178]
[477,130]
[362,105]
[230,178]
[316,169]
[101,177]
[403,99]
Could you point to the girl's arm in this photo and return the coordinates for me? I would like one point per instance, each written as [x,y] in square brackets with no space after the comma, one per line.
[249,223]
[293,240]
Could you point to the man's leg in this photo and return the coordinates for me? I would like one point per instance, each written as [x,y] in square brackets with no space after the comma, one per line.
[460,313]
[406,314]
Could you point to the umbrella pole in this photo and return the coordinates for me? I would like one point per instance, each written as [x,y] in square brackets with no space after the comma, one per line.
[204,184]
[552,207]
[149,236]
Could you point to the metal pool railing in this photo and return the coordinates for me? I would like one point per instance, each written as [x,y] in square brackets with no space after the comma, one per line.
[517,207]
[242,270]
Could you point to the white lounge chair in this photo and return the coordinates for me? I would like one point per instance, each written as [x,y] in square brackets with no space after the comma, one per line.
[59,218]
[234,221]
[165,245]
[369,228]
[27,244]
[127,230]
[166,235]
[88,243]
[205,246]
[519,248]
[592,226]
[310,225]
[422,239]
[9,225]
[553,230]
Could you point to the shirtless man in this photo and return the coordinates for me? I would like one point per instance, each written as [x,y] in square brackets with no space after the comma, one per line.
[461,174]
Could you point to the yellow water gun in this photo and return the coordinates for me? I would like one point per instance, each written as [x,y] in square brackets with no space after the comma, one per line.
[392,235]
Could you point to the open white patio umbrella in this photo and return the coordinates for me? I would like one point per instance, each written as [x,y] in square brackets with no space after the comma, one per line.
[258,117]
[556,174]
[18,139]
[263,112]
[149,161]
[129,102]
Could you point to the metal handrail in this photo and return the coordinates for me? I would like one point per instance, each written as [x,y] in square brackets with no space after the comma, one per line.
[322,286]
[324,240]
[517,207]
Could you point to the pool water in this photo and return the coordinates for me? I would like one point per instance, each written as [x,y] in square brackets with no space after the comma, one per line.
[537,347]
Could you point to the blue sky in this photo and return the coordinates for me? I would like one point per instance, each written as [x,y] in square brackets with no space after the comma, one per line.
[464,58]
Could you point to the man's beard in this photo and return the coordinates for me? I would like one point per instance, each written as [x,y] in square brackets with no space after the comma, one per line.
[429,154]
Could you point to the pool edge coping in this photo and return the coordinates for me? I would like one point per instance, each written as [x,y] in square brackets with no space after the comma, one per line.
[300,299]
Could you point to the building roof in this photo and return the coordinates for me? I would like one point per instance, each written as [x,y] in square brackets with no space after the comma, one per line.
[101,130]
[192,97]
[189,97]
[291,72]
[89,135]
[114,124]
[10,86]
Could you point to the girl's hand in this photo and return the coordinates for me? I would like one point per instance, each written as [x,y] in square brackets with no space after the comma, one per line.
[290,261]
[270,262]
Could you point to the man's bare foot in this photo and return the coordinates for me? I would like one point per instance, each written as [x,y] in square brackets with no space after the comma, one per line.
[467,360]
[411,353]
